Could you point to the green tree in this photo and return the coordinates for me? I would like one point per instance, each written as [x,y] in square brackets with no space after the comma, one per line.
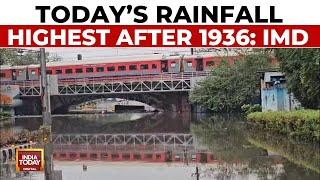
[6,55]
[18,57]
[301,68]
[230,87]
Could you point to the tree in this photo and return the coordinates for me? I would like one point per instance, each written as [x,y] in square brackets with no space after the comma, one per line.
[301,68]
[230,87]
[16,57]
[7,55]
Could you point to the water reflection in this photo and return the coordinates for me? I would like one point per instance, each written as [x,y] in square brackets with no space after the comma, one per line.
[151,147]
[222,147]
[255,153]
[113,123]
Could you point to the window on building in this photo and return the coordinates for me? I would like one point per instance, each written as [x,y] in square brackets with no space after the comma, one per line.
[173,64]
[189,63]
[133,67]
[154,66]
[2,75]
[121,68]
[144,66]
[33,72]
[210,63]
[79,70]
[111,68]
[58,71]
[100,69]
[49,71]
[68,71]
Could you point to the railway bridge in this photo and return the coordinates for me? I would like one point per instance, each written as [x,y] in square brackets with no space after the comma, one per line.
[165,91]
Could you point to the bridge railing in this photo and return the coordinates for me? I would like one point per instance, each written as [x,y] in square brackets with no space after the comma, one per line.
[142,77]
[131,78]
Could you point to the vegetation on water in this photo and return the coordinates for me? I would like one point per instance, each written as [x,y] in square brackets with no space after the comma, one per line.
[231,86]
[225,137]
[303,124]
[302,70]
[299,153]
[8,137]
[233,141]
[4,114]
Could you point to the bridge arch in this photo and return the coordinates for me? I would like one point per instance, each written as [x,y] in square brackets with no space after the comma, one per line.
[171,101]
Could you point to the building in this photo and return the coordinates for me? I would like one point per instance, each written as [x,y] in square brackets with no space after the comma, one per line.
[274,93]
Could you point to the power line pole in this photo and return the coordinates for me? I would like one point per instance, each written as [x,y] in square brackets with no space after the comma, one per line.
[46,116]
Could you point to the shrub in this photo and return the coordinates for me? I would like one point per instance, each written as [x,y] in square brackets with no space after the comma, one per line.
[303,124]
[4,114]
[248,108]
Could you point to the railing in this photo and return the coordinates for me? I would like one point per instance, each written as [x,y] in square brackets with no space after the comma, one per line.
[130,78]
[123,139]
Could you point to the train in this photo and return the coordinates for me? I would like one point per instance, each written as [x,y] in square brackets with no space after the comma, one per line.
[117,66]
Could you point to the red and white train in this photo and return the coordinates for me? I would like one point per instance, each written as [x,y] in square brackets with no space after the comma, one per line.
[116,66]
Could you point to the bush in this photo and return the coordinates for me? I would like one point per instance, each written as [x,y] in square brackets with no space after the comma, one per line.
[4,114]
[303,124]
[248,108]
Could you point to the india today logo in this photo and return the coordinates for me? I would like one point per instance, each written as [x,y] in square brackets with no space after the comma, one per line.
[29,160]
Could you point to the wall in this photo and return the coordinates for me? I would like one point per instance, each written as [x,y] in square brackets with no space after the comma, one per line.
[278,99]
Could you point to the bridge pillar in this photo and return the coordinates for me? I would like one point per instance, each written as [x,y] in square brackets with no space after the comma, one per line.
[179,102]
[30,106]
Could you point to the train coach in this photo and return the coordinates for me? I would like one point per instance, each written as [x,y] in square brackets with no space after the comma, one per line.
[116,66]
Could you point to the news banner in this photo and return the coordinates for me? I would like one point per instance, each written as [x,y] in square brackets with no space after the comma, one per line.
[161,26]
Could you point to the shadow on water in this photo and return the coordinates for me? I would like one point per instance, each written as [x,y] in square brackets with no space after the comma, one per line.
[245,151]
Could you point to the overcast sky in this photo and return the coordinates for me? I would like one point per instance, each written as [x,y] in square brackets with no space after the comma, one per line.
[96,53]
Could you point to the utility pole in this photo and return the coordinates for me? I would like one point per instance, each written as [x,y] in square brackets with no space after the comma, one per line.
[46,116]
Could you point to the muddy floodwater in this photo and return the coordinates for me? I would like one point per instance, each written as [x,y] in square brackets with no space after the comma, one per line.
[167,146]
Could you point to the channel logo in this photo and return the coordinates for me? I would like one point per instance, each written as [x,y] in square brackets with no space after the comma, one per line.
[29,160]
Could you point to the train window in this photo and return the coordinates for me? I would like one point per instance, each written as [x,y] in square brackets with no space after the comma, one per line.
[79,70]
[144,66]
[189,63]
[2,75]
[58,71]
[33,72]
[100,69]
[121,68]
[173,64]
[49,71]
[68,71]
[154,66]
[89,70]
[111,68]
[133,67]
[210,63]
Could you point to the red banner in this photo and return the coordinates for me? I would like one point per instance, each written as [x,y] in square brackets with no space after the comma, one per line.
[160,36]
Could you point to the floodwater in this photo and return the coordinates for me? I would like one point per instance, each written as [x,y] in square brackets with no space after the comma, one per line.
[165,146]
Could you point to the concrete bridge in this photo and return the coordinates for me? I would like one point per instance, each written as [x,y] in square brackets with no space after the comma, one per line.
[166,91]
